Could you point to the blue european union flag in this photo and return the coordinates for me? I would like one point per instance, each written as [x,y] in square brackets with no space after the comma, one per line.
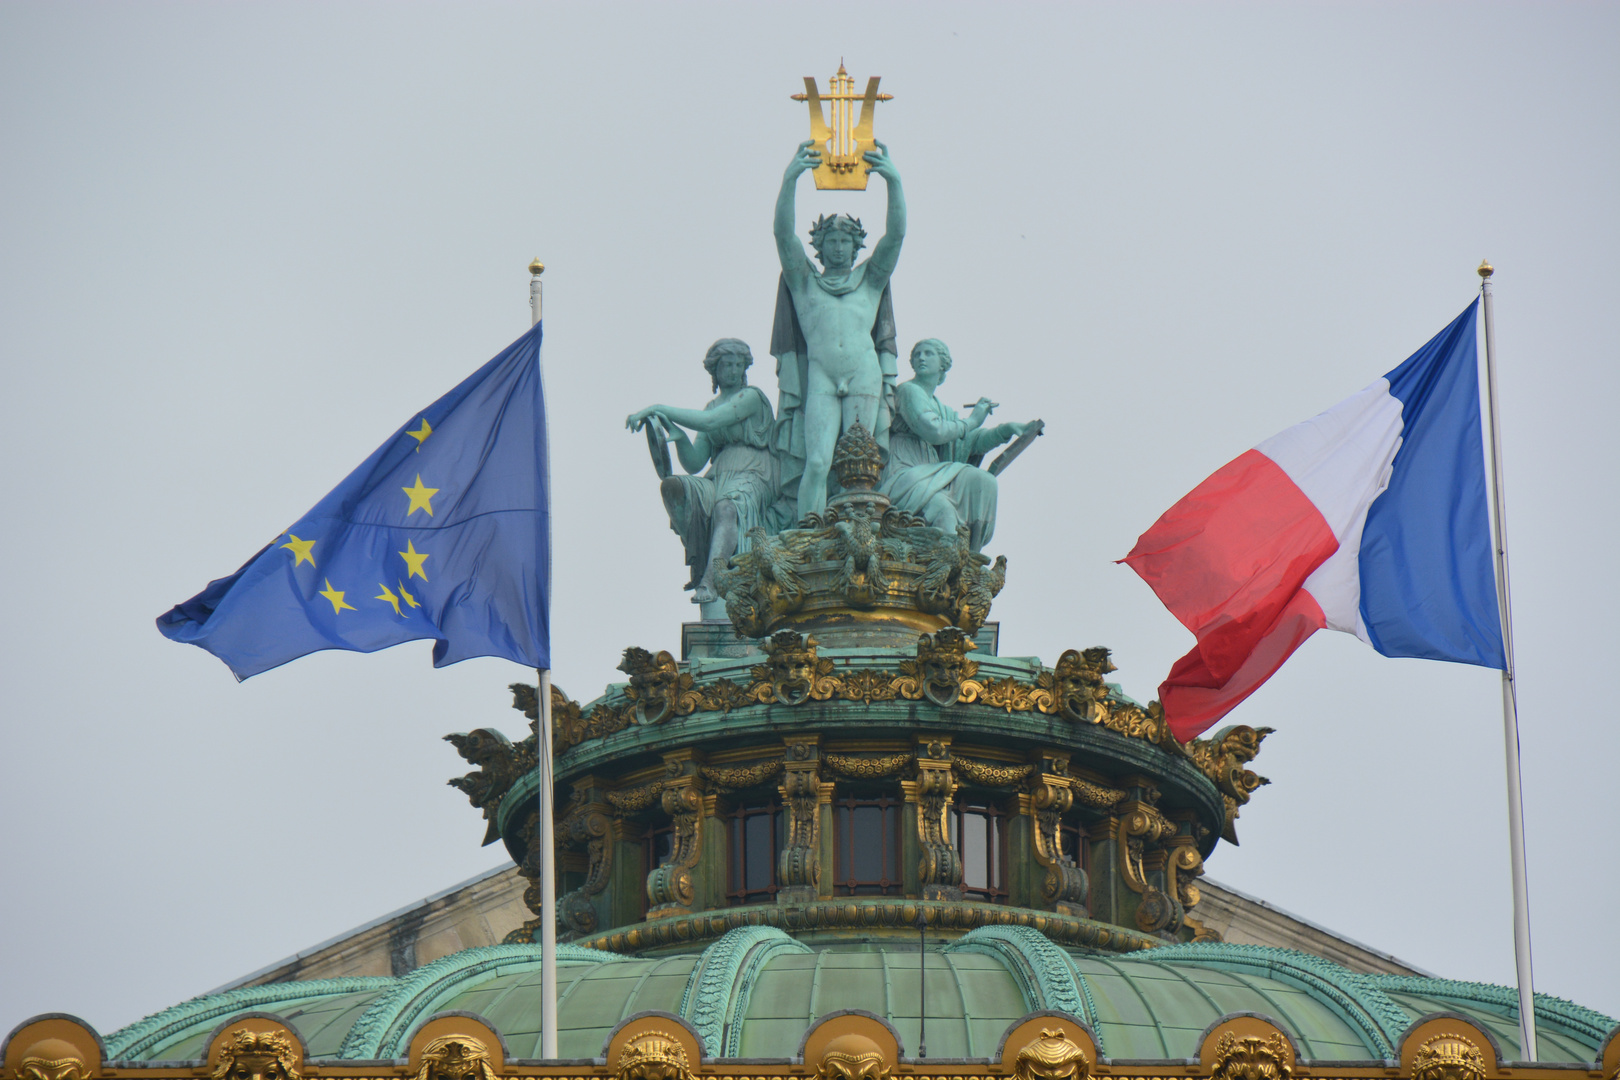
[444,533]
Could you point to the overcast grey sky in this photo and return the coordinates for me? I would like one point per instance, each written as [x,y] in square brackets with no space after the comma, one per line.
[239,244]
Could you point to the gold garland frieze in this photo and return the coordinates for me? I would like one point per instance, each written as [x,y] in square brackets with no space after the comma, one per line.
[633,800]
[860,768]
[982,772]
[743,776]
[1095,795]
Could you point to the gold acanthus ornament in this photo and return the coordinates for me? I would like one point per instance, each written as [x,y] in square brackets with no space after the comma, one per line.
[1250,1057]
[1448,1056]
[256,1055]
[52,1059]
[654,1055]
[456,1057]
[1052,1056]
[852,1057]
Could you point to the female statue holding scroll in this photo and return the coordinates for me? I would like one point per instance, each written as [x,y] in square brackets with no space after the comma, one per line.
[930,448]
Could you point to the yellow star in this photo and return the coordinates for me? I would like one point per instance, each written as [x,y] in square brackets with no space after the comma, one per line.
[336,596]
[300,550]
[420,497]
[414,559]
[421,436]
[389,597]
[405,596]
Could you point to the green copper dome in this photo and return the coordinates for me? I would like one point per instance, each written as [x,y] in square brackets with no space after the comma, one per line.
[754,992]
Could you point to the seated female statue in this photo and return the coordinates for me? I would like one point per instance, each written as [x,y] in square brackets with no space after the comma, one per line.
[930,447]
[712,513]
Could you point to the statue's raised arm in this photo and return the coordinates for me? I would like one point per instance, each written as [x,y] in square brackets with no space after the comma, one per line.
[795,265]
[835,344]
[887,252]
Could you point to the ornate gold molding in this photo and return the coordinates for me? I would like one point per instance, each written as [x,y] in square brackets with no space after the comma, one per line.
[1052,1056]
[256,1055]
[654,1055]
[852,1057]
[53,1059]
[456,1057]
[1448,1056]
[1250,1057]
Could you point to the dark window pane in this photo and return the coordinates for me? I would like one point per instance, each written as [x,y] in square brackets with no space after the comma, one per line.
[976,855]
[866,842]
[757,859]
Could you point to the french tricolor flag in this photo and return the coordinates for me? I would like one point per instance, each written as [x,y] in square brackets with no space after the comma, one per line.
[1369,518]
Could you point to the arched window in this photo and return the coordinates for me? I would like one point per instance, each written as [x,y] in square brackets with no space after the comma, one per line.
[866,846]
[980,835]
[756,833]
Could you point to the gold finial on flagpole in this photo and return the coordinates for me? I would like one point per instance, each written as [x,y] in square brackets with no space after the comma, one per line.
[1486,269]
[537,268]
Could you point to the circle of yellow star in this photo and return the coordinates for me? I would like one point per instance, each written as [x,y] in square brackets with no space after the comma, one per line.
[388,597]
[420,497]
[421,436]
[405,596]
[301,551]
[336,597]
[414,559]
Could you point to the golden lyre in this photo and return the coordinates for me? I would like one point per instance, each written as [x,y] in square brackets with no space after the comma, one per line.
[842,141]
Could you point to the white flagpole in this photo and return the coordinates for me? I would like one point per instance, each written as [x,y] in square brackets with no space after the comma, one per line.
[1510,704]
[546,841]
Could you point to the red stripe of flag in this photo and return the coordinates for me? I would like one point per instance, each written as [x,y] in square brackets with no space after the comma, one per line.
[1229,561]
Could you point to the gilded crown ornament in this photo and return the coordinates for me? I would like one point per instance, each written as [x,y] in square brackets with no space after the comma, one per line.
[1448,1057]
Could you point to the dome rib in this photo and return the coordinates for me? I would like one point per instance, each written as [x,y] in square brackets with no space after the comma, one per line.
[716,996]
[1043,971]
[1578,1019]
[383,1030]
[1356,997]
[132,1042]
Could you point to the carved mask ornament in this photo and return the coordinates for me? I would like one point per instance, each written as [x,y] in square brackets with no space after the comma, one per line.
[52,1059]
[852,1057]
[654,1055]
[1448,1057]
[1053,1056]
[257,1055]
[455,1057]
